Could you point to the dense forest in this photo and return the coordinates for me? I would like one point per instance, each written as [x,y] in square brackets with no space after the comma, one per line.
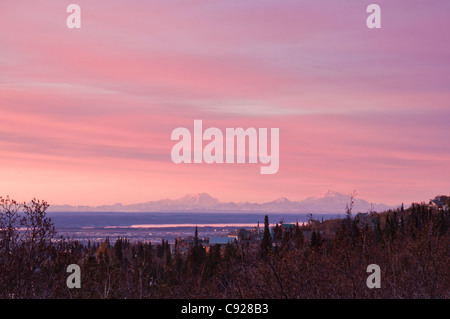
[319,259]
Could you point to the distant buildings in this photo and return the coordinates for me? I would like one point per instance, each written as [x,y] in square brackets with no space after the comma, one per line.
[183,246]
[238,236]
[287,227]
[440,202]
[222,242]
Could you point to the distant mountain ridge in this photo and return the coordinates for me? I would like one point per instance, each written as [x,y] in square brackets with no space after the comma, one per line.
[329,202]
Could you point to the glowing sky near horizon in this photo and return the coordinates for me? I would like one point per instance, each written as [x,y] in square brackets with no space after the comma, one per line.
[86,115]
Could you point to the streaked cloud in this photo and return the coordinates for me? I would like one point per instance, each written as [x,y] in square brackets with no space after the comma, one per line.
[86,115]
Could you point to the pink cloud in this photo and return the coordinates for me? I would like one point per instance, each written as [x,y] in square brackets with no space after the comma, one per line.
[87,114]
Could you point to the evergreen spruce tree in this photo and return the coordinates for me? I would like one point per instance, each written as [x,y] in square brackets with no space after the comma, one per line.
[299,238]
[286,241]
[440,225]
[313,239]
[196,237]
[196,253]
[118,250]
[318,239]
[168,253]
[277,233]
[402,225]
[266,243]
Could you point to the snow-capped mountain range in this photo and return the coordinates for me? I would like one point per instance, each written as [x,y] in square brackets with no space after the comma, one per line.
[330,202]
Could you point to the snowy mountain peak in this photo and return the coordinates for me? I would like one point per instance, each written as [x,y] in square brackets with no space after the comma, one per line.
[329,193]
[281,200]
[199,198]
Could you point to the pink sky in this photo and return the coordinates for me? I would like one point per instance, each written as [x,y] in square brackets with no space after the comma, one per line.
[86,115]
